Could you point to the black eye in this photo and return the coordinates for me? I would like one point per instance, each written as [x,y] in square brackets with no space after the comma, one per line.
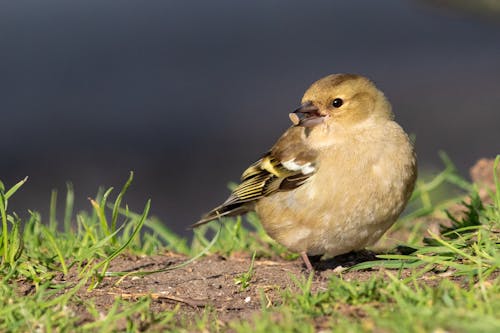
[337,102]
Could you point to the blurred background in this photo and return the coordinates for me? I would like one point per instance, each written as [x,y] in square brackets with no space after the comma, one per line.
[188,93]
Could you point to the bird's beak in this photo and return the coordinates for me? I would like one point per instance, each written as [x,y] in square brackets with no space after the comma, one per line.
[306,115]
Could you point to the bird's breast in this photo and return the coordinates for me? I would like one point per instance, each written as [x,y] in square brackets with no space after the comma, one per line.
[357,192]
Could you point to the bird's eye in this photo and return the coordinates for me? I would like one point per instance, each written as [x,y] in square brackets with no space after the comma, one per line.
[337,102]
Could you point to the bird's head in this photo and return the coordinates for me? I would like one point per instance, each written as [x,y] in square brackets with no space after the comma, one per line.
[343,99]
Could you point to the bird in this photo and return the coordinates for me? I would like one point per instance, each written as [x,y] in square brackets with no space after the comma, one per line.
[336,179]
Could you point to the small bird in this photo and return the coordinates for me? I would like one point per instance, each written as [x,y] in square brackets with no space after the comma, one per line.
[337,179]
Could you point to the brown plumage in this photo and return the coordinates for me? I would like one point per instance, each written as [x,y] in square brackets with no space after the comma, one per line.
[337,179]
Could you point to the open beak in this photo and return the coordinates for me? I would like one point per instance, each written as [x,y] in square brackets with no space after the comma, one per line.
[306,115]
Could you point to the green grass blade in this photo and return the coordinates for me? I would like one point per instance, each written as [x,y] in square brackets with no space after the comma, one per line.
[14,188]
[52,241]
[68,211]
[116,206]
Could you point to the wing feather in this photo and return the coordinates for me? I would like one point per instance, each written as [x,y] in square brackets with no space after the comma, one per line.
[286,166]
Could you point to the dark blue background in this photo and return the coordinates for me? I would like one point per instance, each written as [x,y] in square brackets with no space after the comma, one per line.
[188,93]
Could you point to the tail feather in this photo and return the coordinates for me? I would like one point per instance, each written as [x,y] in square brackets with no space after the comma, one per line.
[221,211]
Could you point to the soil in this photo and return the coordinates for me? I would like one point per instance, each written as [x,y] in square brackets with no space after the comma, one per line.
[209,283]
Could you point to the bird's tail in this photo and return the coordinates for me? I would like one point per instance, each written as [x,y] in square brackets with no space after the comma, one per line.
[221,211]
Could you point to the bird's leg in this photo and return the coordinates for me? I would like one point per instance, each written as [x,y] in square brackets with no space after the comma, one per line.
[306,261]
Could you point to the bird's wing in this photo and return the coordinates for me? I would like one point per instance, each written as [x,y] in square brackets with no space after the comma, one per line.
[286,166]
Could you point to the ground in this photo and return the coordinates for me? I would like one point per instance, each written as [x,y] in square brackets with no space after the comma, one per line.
[211,283]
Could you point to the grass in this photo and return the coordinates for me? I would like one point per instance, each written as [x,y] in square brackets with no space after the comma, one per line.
[441,282]
[386,305]
[244,279]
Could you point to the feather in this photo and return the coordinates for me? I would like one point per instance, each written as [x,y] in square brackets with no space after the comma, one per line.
[286,166]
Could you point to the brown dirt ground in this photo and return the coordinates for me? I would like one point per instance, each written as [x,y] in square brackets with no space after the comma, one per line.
[209,283]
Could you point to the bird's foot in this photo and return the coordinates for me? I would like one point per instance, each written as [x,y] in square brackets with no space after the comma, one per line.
[308,259]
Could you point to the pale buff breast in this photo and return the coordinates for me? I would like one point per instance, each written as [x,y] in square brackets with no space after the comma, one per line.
[359,190]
